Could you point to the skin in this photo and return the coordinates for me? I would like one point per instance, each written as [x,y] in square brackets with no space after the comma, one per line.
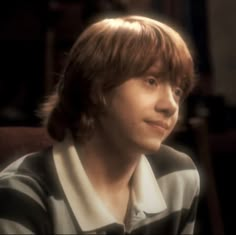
[140,114]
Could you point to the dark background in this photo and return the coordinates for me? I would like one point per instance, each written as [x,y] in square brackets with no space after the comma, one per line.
[36,35]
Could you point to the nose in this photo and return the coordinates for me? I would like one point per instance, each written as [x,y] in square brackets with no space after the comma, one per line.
[166,102]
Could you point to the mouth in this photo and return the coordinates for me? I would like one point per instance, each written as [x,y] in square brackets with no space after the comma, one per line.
[157,124]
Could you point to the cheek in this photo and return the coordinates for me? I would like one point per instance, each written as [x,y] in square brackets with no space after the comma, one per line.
[127,106]
[174,121]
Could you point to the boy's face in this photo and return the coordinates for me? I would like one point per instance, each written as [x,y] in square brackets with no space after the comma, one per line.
[140,114]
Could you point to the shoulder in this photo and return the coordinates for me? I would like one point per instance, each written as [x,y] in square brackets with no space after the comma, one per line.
[169,160]
[35,169]
[22,189]
[29,166]
[179,181]
[29,171]
[176,173]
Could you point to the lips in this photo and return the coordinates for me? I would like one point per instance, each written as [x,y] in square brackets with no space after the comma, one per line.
[158,124]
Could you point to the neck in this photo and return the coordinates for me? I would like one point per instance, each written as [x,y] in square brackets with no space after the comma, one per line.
[109,170]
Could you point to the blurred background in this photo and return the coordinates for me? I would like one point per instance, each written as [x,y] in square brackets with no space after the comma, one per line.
[35,37]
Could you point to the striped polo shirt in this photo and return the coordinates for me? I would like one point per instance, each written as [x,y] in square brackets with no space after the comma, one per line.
[49,192]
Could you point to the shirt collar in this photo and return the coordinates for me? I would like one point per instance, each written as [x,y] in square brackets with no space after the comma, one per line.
[146,194]
[89,210]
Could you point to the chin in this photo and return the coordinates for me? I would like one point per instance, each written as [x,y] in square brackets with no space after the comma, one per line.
[150,147]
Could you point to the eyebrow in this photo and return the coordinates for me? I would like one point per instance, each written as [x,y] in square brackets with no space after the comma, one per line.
[157,70]
[156,73]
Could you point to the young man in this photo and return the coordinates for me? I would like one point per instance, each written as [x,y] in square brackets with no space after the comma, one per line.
[117,101]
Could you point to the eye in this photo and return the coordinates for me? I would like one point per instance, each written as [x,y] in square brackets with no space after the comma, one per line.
[178,92]
[152,81]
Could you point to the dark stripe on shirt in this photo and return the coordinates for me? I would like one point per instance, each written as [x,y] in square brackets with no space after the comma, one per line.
[40,166]
[168,160]
[189,216]
[22,209]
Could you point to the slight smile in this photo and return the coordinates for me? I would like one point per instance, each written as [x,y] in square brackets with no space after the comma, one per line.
[157,124]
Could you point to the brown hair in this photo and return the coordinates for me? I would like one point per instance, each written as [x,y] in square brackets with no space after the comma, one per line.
[104,55]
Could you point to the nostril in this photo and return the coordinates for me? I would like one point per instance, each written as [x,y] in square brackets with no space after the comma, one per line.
[167,107]
[166,112]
